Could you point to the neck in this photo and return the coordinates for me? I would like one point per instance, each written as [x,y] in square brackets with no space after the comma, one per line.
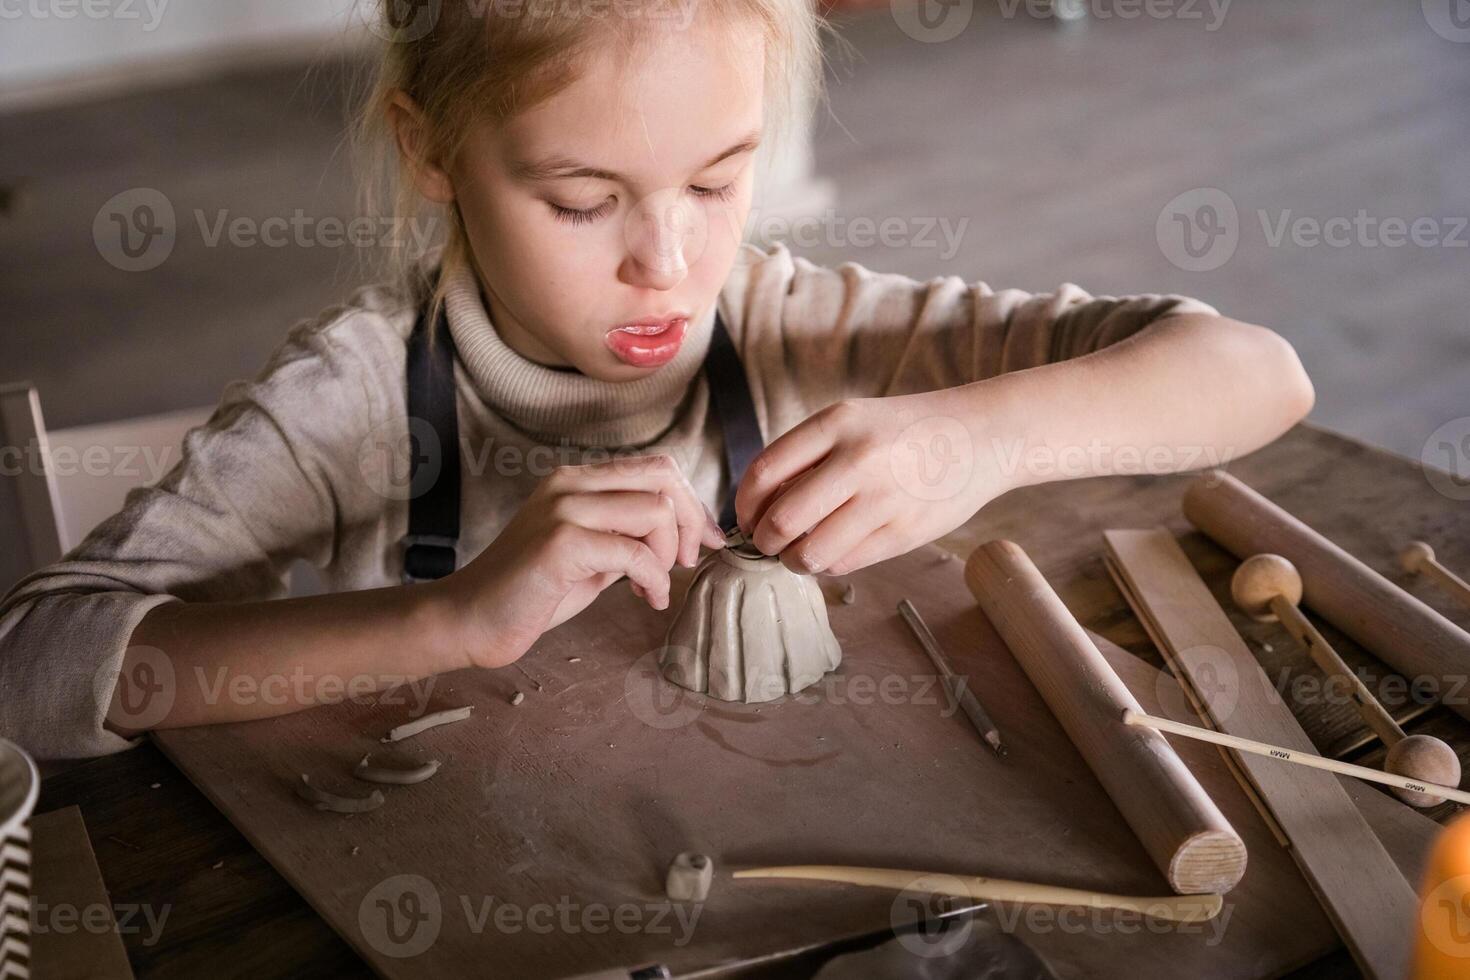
[554,404]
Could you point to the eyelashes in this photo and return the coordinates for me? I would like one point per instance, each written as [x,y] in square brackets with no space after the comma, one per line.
[580,216]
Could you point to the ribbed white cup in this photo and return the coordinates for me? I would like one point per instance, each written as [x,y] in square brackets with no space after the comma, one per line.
[19,785]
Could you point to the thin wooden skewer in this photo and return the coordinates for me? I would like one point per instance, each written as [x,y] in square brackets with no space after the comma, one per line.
[1171,908]
[1267,588]
[1287,755]
[1419,558]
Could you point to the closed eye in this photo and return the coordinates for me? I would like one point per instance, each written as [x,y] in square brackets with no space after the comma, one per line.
[715,193]
[578,216]
[582,216]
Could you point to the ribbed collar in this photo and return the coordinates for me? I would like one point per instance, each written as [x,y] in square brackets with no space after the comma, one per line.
[554,405]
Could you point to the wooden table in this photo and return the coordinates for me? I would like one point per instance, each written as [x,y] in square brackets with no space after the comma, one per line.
[168,846]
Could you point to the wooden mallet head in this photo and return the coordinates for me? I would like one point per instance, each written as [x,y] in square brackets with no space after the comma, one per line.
[1261,578]
[1416,556]
[1424,758]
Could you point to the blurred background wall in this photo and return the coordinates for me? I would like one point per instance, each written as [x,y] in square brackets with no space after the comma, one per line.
[1271,158]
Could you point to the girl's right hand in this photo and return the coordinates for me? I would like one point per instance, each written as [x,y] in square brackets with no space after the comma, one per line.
[582,528]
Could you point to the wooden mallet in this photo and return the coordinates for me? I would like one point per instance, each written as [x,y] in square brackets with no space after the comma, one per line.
[1268,588]
[1418,559]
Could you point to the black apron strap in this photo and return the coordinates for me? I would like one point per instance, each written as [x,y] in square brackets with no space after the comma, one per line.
[433,432]
[729,392]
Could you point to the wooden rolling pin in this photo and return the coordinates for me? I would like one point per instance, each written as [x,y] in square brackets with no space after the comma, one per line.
[1400,630]
[1176,821]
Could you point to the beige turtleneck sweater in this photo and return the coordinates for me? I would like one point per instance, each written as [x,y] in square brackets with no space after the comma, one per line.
[309,460]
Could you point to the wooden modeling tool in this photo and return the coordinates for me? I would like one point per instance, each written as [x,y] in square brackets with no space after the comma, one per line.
[1267,588]
[1403,632]
[1418,559]
[958,687]
[1189,839]
[1171,908]
[1141,720]
[1368,899]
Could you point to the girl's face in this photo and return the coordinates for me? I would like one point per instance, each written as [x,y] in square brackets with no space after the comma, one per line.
[604,220]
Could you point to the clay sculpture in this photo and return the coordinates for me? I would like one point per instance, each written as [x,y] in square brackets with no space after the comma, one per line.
[750,629]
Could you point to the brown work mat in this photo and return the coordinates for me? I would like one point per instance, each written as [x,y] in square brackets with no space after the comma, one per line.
[540,847]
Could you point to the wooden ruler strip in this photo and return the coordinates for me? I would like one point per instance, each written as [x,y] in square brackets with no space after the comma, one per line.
[1364,894]
[1193,698]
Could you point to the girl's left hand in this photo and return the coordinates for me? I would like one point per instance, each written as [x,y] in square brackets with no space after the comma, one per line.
[867,479]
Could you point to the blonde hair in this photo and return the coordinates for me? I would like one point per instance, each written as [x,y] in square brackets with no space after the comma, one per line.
[469,61]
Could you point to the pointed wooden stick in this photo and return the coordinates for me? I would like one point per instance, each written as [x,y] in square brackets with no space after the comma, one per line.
[1171,908]
[1291,755]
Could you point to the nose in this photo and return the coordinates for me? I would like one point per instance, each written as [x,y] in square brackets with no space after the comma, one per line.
[659,233]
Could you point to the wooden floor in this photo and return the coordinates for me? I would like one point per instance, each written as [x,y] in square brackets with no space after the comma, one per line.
[1059,147]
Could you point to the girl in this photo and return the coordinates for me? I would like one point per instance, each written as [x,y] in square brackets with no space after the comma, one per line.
[594,165]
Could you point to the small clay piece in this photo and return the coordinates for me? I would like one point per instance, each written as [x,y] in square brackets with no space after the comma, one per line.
[517,698]
[849,594]
[323,800]
[434,720]
[394,777]
[750,629]
[689,877]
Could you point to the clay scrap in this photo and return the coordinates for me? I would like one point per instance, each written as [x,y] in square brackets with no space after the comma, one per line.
[322,800]
[689,877]
[434,720]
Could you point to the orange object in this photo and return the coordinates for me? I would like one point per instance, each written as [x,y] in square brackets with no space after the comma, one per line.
[1442,940]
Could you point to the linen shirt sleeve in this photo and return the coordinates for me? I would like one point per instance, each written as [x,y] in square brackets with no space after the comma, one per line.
[849,332]
[283,463]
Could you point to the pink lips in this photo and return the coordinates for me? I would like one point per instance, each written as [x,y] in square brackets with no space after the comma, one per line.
[648,342]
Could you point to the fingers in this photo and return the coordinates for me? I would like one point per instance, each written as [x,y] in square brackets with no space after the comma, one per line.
[647,516]
[803,505]
[656,473]
[588,553]
[801,448]
[844,530]
[880,545]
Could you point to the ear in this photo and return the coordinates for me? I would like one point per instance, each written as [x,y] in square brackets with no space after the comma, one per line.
[411,131]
